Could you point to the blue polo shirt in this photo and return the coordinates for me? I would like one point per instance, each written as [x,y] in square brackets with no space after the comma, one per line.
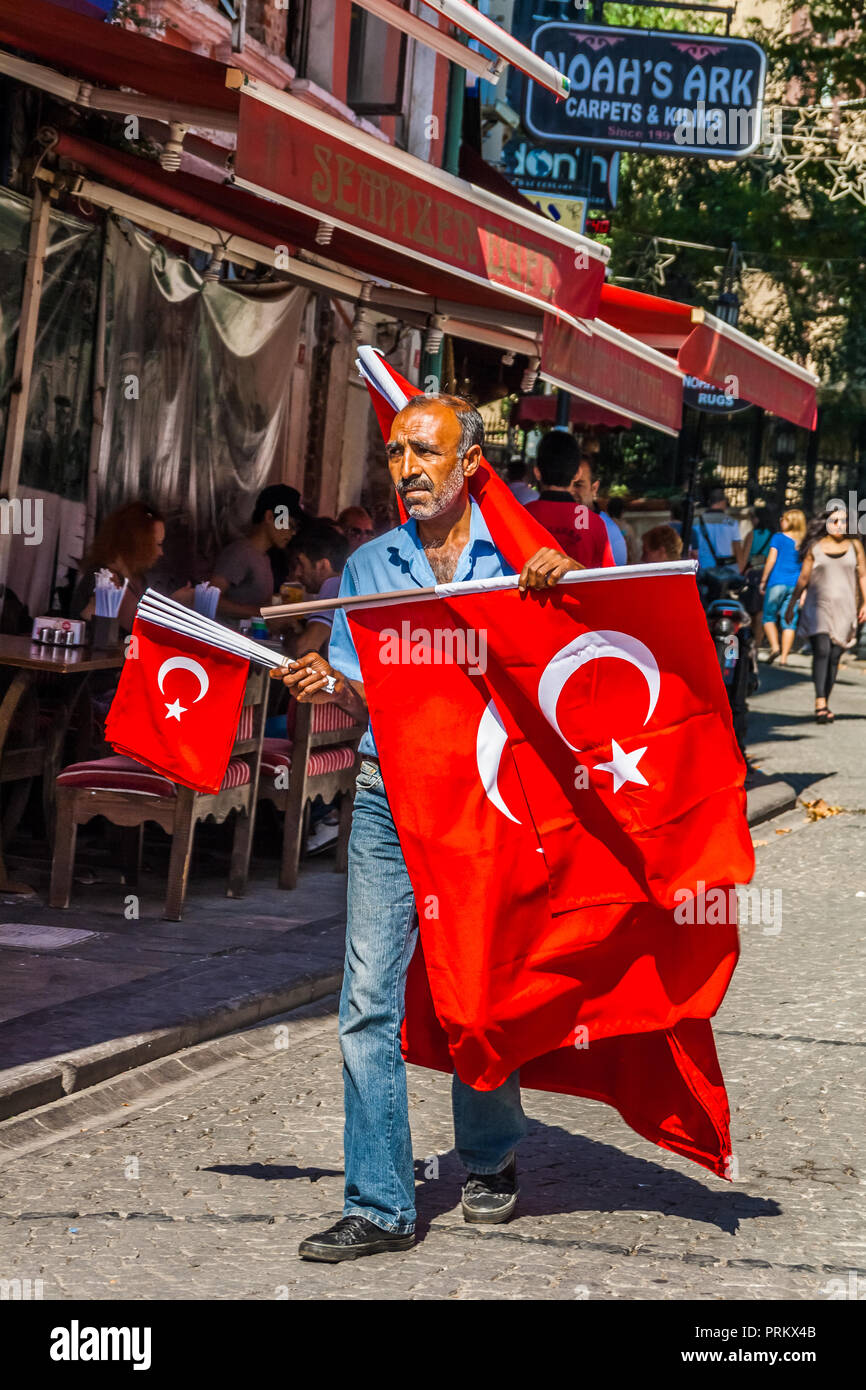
[397,561]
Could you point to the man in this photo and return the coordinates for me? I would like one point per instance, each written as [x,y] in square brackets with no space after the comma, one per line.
[243,572]
[579,532]
[584,488]
[318,554]
[716,536]
[357,526]
[515,477]
[433,451]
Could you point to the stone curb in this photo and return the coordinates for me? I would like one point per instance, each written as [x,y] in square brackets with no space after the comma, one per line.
[167,1014]
[768,799]
[196,1002]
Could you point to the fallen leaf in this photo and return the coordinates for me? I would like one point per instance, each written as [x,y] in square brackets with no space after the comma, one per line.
[758,843]
[783,832]
[818,810]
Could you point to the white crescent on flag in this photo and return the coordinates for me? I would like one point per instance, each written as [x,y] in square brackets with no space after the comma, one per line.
[183,663]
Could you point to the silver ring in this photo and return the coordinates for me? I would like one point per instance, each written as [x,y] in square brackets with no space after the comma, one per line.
[330,684]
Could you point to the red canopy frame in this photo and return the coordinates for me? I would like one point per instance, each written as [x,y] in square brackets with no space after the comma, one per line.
[714,351]
[292,154]
[116,57]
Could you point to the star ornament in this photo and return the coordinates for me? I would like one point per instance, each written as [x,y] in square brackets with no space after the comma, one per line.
[175,710]
[623,767]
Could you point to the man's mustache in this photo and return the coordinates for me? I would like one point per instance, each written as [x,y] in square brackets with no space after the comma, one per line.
[414,485]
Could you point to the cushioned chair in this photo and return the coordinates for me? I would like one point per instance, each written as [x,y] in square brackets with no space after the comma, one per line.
[127,793]
[319,760]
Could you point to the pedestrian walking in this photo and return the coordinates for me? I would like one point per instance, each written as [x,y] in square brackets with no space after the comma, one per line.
[779,577]
[832,580]
[434,449]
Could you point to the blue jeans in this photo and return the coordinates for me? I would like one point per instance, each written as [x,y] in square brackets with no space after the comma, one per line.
[381,934]
[776,600]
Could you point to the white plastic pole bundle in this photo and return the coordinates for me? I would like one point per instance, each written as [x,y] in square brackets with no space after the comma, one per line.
[166,613]
[371,365]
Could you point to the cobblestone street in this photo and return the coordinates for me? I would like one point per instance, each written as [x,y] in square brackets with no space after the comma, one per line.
[203,1191]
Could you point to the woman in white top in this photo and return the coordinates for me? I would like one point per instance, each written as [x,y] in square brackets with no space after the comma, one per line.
[832,590]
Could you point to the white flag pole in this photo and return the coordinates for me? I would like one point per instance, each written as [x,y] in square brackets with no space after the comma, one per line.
[610,574]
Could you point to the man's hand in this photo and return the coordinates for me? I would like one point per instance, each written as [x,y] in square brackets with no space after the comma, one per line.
[545,569]
[307,681]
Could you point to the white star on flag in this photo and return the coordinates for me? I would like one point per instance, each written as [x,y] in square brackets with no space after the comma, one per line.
[623,766]
[175,711]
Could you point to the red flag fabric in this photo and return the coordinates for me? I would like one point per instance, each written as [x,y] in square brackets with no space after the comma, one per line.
[177,706]
[515,533]
[579,777]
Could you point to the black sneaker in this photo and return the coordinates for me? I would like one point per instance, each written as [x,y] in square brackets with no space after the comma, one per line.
[350,1238]
[491,1197]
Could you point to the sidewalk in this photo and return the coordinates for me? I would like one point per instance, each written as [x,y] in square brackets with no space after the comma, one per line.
[86,994]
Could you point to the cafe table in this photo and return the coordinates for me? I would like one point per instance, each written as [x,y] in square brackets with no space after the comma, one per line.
[28,750]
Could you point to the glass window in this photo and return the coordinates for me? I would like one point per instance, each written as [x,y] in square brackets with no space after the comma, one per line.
[377,62]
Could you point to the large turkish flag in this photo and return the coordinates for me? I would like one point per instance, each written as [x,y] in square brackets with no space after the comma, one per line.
[562,772]
[177,706]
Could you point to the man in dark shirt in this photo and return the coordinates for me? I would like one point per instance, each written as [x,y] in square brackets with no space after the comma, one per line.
[578,530]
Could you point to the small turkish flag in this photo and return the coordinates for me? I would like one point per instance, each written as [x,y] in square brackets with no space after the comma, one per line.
[177,706]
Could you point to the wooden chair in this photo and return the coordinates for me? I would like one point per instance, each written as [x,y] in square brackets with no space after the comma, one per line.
[127,793]
[319,760]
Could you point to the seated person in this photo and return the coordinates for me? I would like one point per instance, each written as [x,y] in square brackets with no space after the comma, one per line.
[515,477]
[242,571]
[319,553]
[661,544]
[576,528]
[614,510]
[356,525]
[128,543]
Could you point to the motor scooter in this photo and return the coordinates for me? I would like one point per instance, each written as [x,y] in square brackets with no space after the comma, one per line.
[731,630]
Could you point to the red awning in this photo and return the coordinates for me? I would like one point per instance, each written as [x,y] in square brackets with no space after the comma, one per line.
[542,410]
[242,213]
[115,57]
[607,371]
[706,347]
[614,372]
[309,161]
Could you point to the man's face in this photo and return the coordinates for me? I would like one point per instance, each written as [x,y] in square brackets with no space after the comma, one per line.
[424,462]
[358,531]
[308,572]
[583,488]
[281,527]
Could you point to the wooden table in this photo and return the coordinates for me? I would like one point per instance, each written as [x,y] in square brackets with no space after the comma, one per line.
[25,659]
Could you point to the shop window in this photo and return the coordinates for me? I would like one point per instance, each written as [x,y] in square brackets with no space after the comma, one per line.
[297,34]
[377,64]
